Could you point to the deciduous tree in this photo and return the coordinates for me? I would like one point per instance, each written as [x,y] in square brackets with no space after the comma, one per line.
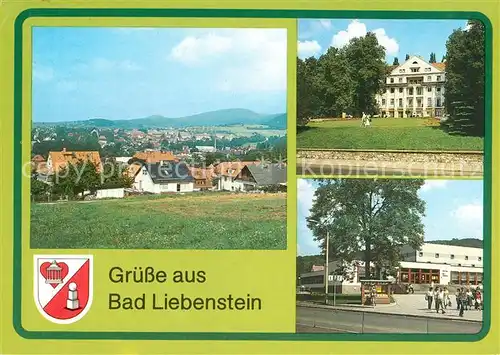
[368,219]
[465,80]
[75,179]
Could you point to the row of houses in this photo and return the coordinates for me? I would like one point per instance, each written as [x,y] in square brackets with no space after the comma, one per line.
[162,172]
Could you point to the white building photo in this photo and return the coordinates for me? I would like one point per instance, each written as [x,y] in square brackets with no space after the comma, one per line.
[414,89]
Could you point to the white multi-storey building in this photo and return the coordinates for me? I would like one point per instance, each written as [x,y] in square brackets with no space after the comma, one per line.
[414,89]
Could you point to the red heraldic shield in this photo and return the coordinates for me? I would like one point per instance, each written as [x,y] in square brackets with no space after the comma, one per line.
[63,286]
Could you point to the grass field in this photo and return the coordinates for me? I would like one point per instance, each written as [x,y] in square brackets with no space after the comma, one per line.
[194,221]
[384,133]
[249,130]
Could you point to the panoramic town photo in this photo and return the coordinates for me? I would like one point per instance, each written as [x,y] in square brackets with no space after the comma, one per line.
[179,143]
[391,97]
[393,255]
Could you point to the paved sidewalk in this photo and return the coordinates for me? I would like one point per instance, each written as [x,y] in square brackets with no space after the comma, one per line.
[417,305]
[409,305]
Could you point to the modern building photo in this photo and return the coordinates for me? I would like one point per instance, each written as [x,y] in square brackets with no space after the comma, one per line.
[390,256]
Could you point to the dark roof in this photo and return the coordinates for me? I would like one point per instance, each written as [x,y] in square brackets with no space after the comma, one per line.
[268,174]
[169,172]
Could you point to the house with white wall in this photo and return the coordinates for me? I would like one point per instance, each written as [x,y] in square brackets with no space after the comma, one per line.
[227,173]
[163,177]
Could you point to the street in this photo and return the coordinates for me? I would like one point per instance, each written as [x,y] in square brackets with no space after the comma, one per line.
[313,320]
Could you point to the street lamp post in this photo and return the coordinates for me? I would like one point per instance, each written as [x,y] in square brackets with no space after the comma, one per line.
[326,267]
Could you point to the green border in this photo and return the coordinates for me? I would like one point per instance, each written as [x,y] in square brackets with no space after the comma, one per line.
[225,13]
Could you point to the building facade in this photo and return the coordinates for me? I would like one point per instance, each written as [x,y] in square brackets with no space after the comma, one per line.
[414,89]
[158,178]
[432,264]
[441,264]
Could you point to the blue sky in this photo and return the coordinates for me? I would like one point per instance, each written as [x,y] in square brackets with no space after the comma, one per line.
[399,37]
[454,209]
[121,73]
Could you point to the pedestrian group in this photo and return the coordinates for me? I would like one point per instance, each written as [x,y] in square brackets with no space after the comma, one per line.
[466,299]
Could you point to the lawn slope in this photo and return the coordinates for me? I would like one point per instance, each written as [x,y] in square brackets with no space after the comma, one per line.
[384,133]
[194,221]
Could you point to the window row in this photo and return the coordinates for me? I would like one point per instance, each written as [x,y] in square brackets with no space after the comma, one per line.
[419,90]
[410,81]
[419,103]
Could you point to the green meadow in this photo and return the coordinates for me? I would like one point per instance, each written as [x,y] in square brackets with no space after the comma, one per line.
[384,133]
[191,221]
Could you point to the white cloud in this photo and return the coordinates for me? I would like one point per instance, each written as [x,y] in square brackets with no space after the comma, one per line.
[390,44]
[193,50]
[243,59]
[434,184]
[470,219]
[308,49]
[358,29]
[354,30]
[42,73]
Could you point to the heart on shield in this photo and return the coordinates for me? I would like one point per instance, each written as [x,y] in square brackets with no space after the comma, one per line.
[54,272]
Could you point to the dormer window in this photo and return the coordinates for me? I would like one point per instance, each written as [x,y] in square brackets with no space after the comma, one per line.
[427,69]
[415,70]
[415,62]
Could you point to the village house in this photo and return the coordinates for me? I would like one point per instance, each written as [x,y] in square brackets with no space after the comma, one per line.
[161,177]
[38,162]
[227,173]
[203,178]
[60,160]
[154,156]
[254,177]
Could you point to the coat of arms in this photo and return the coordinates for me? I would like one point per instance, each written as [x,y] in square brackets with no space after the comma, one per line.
[63,286]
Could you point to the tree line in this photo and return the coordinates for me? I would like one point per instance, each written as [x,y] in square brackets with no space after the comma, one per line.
[341,80]
[347,80]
